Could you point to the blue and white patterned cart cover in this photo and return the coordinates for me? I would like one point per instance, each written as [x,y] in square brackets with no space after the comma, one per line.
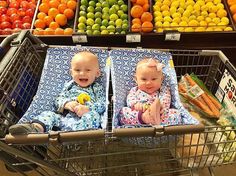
[123,64]
[56,72]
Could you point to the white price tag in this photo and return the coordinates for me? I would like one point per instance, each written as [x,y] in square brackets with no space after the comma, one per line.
[173,36]
[133,38]
[80,38]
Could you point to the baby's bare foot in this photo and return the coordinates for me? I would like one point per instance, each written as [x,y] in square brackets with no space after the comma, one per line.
[152,114]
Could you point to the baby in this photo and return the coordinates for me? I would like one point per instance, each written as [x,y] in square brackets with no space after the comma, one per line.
[149,102]
[70,114]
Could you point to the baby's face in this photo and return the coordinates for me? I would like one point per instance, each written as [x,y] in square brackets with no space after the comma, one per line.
[148,79]
[84,70]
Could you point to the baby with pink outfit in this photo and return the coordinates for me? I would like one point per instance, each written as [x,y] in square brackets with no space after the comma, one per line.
[149,102]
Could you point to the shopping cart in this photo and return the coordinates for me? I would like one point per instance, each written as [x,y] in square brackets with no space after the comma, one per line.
[104,152]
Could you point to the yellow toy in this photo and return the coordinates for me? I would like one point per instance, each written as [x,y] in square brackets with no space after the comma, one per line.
[83,98]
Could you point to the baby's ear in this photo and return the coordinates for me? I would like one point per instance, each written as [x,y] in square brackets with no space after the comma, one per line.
[98,73]
[135,79]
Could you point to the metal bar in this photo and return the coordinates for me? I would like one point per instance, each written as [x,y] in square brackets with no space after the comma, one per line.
[33,159]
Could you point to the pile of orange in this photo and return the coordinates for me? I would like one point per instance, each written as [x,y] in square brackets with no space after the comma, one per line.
[141,17]
[53,15]
[232,7]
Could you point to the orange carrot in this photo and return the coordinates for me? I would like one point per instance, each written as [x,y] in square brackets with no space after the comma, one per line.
[216,103]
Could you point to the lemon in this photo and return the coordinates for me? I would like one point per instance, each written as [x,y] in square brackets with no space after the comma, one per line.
[187,13]
[176,20]
[200,3]
[157,13]
[166,24]
[176,15]
[174,24]
[183,24]
[197,7]
[204,8]
[183,18]
[212,15]
[193,23]
[209,29]
[158,18]
[83,97]
[200,29]
[220,6]
[166,2]
[167,18]
[180,29]
[165,13]
[202,23]
[225,20]
[189,29]
[192,17]
[211,24]
[228,29]
[216,2]
[218,29]
[200,18]
[180,10]
[221,13]
[160,30]
[208,19]
[158,24]
[216,20]
[173,10]
[175,4]
[190,8]
[165,8]
[156,8]
[204,13]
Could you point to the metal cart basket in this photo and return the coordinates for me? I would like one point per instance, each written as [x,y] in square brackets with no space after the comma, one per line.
[104,152]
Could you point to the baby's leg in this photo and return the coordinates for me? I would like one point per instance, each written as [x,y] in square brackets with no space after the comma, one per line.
[129,116]
[152,114]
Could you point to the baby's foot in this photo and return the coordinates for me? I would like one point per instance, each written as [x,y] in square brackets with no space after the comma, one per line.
[152,114]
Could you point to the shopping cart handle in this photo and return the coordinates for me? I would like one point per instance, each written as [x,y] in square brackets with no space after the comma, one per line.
[27,139]
[184,129]
[134,132]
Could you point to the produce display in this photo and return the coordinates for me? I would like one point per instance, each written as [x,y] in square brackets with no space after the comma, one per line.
[141,16]
[97,17]
[16,15]
[191,15]
[54,16]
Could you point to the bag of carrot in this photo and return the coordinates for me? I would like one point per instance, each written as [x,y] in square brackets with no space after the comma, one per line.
[195,92]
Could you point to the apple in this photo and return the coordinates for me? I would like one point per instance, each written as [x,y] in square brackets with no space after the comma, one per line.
[27,19]
[14,4]
[11,11]
[17,24]
[32,5]
[21,12]
[15,30]
[26,26]
[24,4]
[3,4]
[3,10]
[14,17]
[5,24]
[29,12]
[5,17]
[6,31]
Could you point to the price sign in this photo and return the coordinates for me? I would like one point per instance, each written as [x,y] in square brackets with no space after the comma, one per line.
[133,38]
[172,36]
[80,38]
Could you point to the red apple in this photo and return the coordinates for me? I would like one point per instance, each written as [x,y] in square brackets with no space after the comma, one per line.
[6,31]
[5,17]
[26,26]
[21,12]
[32,5]
[29,12]
[15,30]
[17,24]
[3,10]
[24,4]
[14,17]
[14,4]
[5,24]
[11,11]
[27,19]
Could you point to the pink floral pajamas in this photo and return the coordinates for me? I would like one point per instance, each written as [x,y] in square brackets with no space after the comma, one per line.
[130,116]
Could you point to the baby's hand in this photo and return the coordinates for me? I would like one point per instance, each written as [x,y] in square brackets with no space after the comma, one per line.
[71,105]
[138,107]
[80,110]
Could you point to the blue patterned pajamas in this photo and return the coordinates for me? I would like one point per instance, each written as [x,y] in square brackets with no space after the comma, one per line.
[70,121]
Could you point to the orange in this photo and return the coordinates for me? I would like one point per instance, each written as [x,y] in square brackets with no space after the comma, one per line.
[146,7]
[53,12]
[136,11]
[147,26]
[61,19]
[53,3]
[234,17]
[49,31]
[54,25]
[233,8]
[231,2]
[68,31]
[39,24]
[136,27]
[146,16]
[59,31]
[45,1]
[71,4]
[41,15]
[69,13]
[44,7]
[136,21]
[140,2]
[48,20]
[62,7]
[38,31]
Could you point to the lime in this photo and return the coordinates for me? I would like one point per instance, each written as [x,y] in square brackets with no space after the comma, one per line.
[98,4]
[98,15]
[124,16]
[104,32]
[90,22]
[84,2]
[92,3]
[81,26]
[105,4]
[89,27]
[105,22]
[120,2]
[114,17]
[120,12]
[98,9]
[124,7]
[82,19]
[112,11]
[96,27]
[111,2]
[81,31]
[111,28]
[103,28]
[96,32]
[117,7]
[125,22]
[118,22]
[90,15]
[83,8]
[90,9]
[111,32]
[123,32]
[105,10]
[89,32]
[105,16]
[83,13]
[125,27]
[111,23]
[98,21]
